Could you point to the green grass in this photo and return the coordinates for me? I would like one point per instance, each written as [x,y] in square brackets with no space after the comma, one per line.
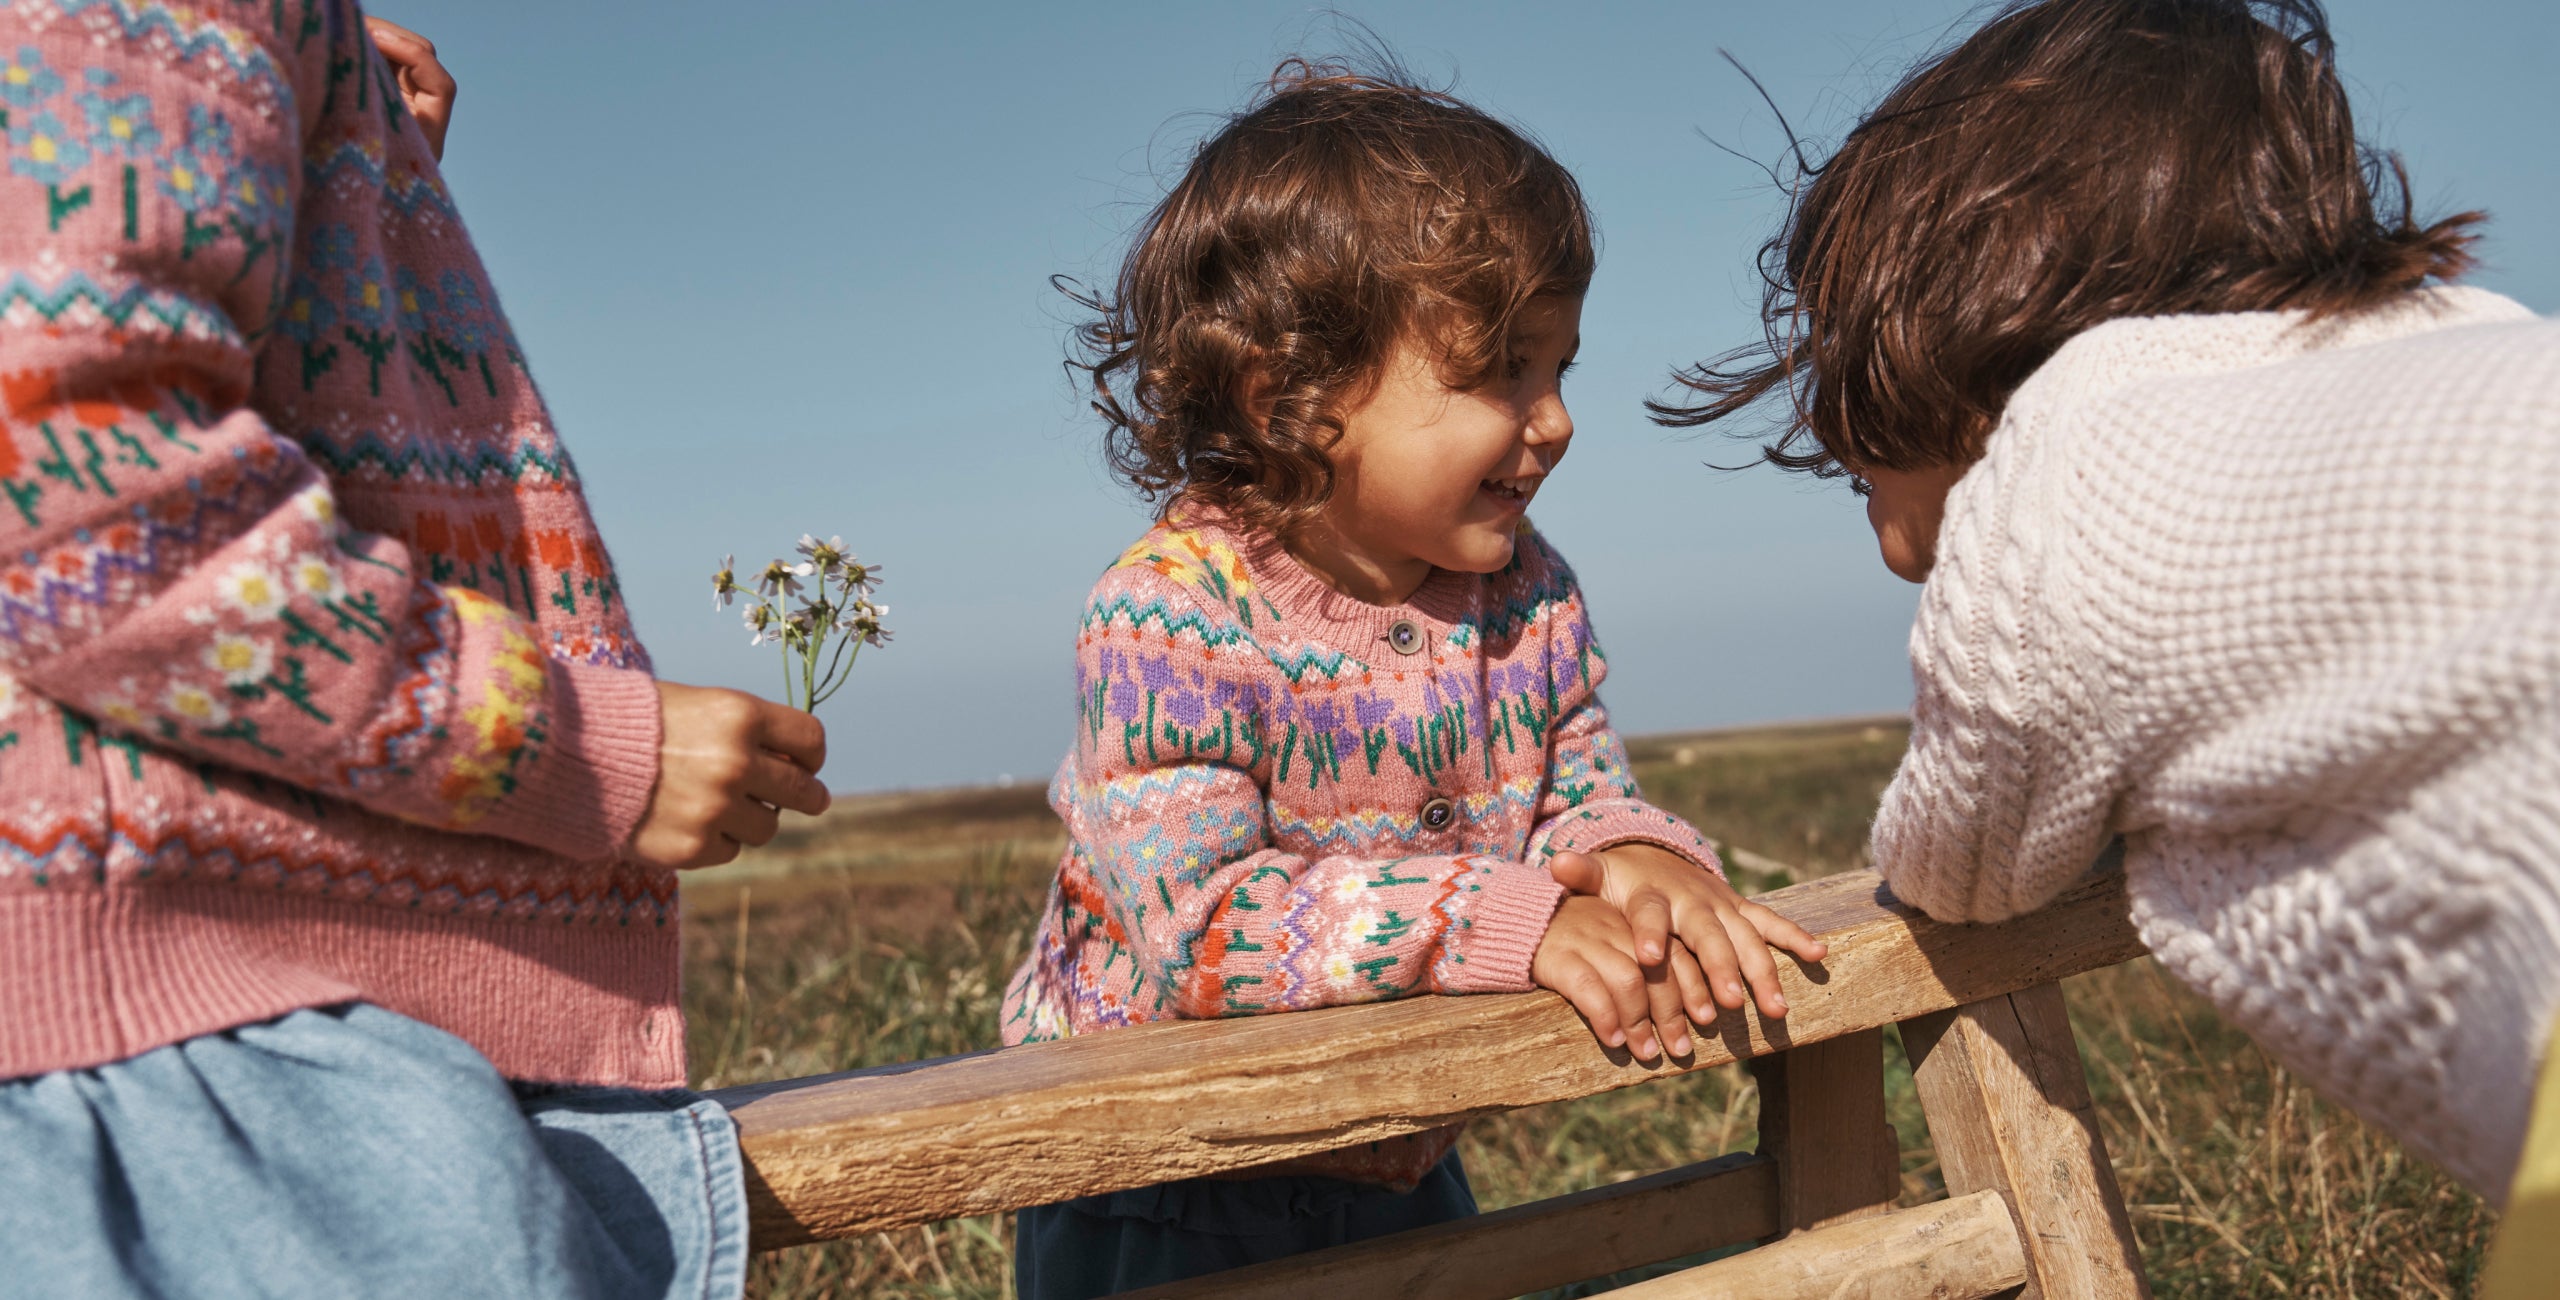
[886,932]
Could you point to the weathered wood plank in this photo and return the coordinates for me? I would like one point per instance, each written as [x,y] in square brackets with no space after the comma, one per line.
[855,1153]
[2009,1112]
[1958,1249]
[1822,1121]
[1526,1247]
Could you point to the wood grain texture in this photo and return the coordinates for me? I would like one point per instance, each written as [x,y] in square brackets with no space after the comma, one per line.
[1822,1123]
[840,1155]
[1527,1247]
[1946,1250]
[2009,1112]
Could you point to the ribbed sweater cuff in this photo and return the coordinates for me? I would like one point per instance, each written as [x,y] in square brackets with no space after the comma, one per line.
[1591,829]
[597,768]
[1505,924]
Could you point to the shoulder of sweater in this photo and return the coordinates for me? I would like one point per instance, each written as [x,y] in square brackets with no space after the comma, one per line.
[1177,577]
[2130,350]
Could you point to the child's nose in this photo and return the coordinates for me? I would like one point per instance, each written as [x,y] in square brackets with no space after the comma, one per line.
[1549,421]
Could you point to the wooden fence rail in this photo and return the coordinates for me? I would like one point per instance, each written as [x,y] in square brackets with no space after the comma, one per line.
[847,1154]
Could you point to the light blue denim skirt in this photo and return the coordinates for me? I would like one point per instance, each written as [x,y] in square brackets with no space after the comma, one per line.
[348,1151]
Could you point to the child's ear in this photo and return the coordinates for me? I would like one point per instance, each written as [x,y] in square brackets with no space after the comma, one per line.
[1258,392]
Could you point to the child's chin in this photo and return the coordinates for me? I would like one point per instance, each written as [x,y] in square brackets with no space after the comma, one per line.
[1484,554]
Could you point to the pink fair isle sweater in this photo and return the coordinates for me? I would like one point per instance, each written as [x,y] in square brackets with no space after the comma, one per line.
[1282,798]
[314,681]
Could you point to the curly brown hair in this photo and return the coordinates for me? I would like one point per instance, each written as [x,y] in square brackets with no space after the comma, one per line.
[1339,213]
[2071,162]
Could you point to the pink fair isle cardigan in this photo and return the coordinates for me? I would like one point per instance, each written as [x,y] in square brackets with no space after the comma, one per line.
[1281,798]
[315,683]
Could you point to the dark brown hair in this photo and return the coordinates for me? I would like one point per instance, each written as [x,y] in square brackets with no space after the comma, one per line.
[2071,162]
[1340,212]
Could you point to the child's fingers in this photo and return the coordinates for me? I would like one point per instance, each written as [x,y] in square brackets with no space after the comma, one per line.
[1704,932]
[1779,932]
[1670,1019]
[1649,915]
[1589,993]
[1579,872]
[1757,966]
[1701,1006]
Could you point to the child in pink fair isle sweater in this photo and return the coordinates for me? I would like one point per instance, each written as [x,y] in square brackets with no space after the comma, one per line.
[1337,732]
[339,811]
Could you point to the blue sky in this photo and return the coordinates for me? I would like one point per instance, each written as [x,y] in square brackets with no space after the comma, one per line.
[782,267]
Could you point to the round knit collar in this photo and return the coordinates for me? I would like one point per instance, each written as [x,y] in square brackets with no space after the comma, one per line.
[1312,609]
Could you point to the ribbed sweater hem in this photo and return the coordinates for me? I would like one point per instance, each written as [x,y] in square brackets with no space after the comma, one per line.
[99,975]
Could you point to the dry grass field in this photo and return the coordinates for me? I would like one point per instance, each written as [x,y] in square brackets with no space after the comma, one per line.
[885,932]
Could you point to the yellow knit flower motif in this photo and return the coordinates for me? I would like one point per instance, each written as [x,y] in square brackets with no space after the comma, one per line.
[499,728]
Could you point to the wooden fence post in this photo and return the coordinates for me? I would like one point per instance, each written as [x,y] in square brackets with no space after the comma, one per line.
[2009,1111]
[1822,1122]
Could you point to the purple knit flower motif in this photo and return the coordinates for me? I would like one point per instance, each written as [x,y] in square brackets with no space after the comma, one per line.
[1325,717]
[1126,703]
[1432,701]
[1155,672]
[1370,711]
[1404,732]
[1187,708]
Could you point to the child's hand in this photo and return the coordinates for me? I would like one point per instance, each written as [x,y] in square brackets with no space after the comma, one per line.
[1664,894]
[1589,956]
[425,87]
[728,762]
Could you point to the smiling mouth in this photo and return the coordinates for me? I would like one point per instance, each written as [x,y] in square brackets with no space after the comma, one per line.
[1516,490]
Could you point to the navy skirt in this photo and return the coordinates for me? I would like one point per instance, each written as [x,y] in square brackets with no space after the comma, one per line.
[1120,1241]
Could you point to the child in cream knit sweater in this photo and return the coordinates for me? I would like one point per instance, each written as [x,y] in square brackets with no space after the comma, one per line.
[2241,540]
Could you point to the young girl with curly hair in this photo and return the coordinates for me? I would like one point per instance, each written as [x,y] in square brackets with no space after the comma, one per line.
[1338,738]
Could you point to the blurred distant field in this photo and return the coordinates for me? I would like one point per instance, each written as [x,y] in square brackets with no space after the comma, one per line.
[885,932]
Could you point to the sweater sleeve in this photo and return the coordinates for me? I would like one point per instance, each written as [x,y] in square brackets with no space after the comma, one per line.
[1163,802]
[1589,800]
[174,566]
[2005,795]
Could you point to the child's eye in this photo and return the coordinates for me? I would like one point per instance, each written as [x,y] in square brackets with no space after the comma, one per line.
[1566,369]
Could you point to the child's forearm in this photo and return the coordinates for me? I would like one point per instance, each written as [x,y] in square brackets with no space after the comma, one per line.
[1221,923]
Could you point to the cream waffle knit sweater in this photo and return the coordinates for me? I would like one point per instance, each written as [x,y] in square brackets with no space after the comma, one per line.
[2280,604]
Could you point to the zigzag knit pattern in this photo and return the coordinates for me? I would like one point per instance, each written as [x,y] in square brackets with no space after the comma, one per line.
[315,680]
[1280,798]
[2279,603]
